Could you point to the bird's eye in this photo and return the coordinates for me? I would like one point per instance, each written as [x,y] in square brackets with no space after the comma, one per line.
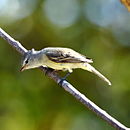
[26,61]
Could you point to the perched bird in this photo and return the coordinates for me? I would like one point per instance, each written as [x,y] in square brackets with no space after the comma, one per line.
[59,58]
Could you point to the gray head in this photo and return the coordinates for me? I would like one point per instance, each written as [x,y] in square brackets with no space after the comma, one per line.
[30,60]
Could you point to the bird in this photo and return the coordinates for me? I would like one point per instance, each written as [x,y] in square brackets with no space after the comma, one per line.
[59,58]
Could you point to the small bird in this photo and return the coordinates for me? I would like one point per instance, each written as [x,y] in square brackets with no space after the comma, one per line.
[59,58]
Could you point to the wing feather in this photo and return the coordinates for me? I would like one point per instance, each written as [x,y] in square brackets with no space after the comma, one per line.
[66,55]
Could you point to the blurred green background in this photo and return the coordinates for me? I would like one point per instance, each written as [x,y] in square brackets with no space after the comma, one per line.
[96,28]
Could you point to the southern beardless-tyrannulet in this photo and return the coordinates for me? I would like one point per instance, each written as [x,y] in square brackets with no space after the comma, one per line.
[59,58]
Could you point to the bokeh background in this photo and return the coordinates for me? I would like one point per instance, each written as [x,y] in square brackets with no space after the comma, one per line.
[97,28]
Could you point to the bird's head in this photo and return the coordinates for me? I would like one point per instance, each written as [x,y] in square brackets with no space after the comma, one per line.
[29,60]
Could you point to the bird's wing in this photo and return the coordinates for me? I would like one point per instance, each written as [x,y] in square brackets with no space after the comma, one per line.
[66,55]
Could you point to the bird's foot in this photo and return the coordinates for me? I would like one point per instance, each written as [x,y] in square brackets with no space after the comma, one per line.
[64,78]
[61,81]
[48,70]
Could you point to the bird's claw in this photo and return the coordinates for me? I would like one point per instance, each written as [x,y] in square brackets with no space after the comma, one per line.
[47,70]
[64,78]
[61,81]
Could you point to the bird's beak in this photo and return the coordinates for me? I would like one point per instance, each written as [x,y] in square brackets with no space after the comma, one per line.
[23,68]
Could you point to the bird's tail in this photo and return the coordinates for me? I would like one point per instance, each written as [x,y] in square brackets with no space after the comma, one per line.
[93,70]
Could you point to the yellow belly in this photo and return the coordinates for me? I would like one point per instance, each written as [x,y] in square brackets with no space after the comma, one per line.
[63,66]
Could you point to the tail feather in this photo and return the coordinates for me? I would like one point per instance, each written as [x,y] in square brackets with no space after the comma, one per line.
[93,70]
